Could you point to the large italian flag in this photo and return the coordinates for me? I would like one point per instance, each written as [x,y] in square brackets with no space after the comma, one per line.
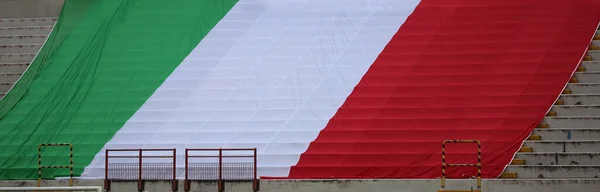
[322,88]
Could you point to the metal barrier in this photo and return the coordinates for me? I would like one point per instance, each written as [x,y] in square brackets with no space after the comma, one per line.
[137,169]
[216,164]
[478,164]
[40,167]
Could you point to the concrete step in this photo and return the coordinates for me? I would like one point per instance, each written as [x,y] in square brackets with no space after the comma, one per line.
[576,110]
[554,171]
[581,99]
[21,48]
[546,158]
[584,88]
[9,77]
[13,67]
[568,133]
[588,146]
[5,86]
[573,122]
[31,30]
[591,65]
[16,57]
[17,22]
[22,39]
[595,54]
[588,77]
[596,42]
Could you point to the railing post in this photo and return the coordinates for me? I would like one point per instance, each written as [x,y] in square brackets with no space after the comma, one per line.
[478,165]
[106,181]
[71,165]
[174,182]
[255,179]
[39,181]
[140,184]
[186,182]
[220,182]
[443,181]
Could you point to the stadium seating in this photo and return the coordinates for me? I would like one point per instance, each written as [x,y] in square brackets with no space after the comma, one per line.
[20,40]
[566,143]
[342,89]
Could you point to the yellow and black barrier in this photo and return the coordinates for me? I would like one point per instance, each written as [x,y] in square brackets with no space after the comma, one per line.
[478,164]
[40,166]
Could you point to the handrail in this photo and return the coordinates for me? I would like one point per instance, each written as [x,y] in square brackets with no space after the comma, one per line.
[444,164]
[96,188]
[221,156]
[140,156]
[40,166]
[218,168]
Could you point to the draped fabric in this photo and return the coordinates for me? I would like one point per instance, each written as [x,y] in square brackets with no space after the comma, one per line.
[269,76]
[322,88]
[485,70]
[101,63]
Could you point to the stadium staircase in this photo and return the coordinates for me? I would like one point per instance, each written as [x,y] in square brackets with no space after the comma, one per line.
[20,40]
[566,144]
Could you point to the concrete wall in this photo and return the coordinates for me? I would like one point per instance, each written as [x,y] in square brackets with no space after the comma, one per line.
[431,185]
[30,8]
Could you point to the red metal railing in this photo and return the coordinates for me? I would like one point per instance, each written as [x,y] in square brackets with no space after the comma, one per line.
[134,170]
[217,164]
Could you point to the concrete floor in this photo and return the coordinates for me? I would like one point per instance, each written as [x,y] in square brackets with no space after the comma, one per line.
[414,185]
